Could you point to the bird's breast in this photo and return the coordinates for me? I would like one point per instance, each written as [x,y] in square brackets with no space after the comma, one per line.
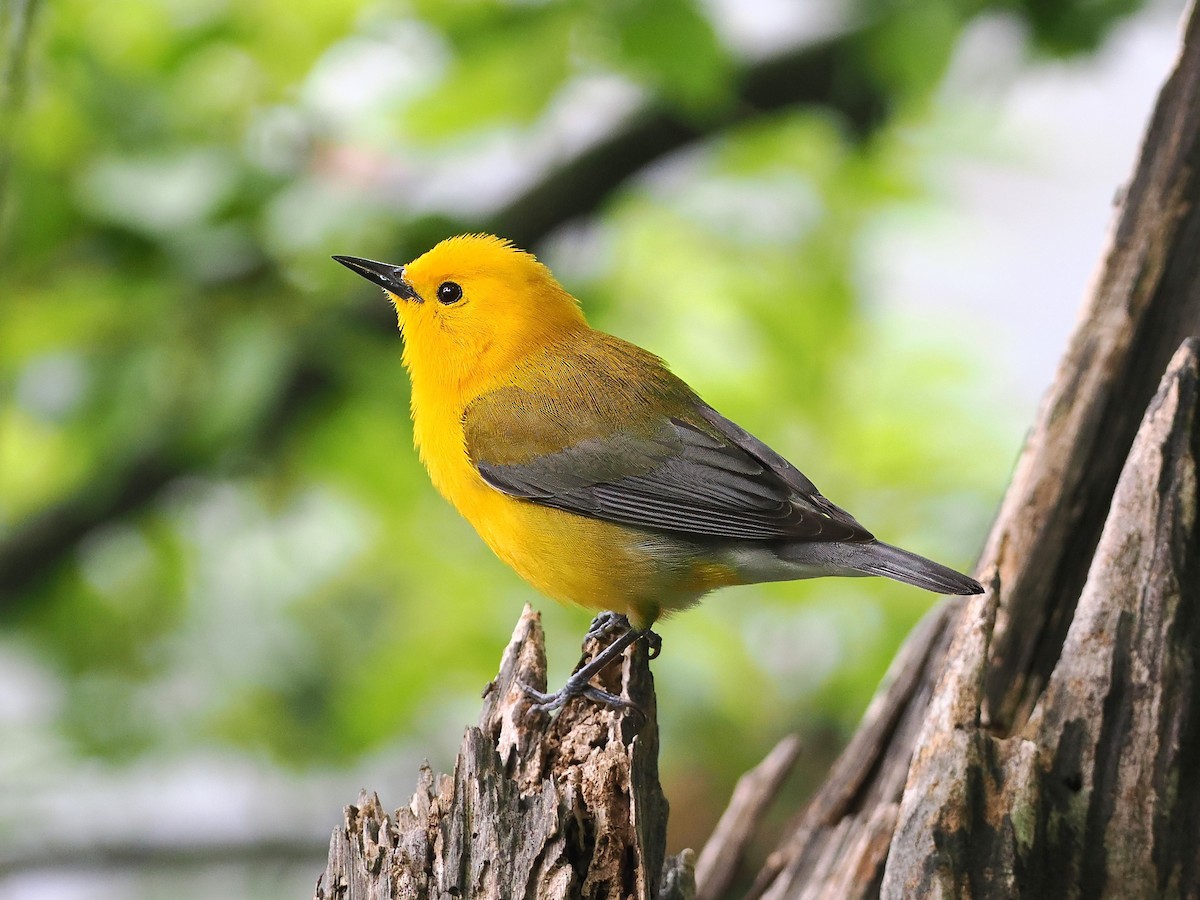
[570,558]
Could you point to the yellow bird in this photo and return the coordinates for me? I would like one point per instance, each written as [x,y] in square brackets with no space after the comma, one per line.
[599,476]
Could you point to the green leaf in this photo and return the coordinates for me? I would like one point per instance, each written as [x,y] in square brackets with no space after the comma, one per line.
[505,76]
[670,47]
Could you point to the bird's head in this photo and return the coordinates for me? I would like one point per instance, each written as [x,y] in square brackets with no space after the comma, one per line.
[474,304]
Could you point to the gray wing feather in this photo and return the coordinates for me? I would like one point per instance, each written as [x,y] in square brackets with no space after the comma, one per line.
[685,479]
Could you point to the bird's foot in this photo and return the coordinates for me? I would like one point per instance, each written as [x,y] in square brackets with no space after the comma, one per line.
[549,702]
[606,623]
[579,684]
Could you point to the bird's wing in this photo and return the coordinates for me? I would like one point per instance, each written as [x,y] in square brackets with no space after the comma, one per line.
[643,451]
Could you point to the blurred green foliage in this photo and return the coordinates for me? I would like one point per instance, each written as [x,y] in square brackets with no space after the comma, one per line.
[212,522]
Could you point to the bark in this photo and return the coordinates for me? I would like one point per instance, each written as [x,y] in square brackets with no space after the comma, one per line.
[1039,740]
[1096,796]
[1057,710]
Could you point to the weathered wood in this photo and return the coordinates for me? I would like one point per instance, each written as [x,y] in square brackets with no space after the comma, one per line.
[1120,719]
[1097,795]
[569,807]
[863,788]
[978,808]
[718,862]
[1145,303]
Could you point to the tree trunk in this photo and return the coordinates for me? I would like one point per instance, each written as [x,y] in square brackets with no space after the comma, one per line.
[1040,740]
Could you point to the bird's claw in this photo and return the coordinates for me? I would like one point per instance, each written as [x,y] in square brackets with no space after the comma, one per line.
[653,643]
[579,684]
[606,623]
[542,702]
[549,702]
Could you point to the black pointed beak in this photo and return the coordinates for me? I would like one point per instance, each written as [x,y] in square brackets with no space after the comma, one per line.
[389,277]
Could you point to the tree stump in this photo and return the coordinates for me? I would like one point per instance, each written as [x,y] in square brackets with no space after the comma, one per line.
[536,807]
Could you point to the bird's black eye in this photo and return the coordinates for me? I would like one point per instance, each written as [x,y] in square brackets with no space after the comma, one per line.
[449,292]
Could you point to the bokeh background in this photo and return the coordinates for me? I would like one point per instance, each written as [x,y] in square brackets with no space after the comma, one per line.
[229,597]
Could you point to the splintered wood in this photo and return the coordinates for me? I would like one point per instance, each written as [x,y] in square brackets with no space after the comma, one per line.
[569,807]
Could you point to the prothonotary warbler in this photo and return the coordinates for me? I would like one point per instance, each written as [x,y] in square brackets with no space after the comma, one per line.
[599,476]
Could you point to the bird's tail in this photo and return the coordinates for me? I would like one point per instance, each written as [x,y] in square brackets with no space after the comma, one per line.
[878,558]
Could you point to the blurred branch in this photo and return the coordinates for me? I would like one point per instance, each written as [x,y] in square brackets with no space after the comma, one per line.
[18,26]
[18,16]
[829,73]
[151,850]
[45,540]
[725,850]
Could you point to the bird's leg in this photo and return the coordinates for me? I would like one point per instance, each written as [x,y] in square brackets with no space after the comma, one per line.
[578,684]
[607,623]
